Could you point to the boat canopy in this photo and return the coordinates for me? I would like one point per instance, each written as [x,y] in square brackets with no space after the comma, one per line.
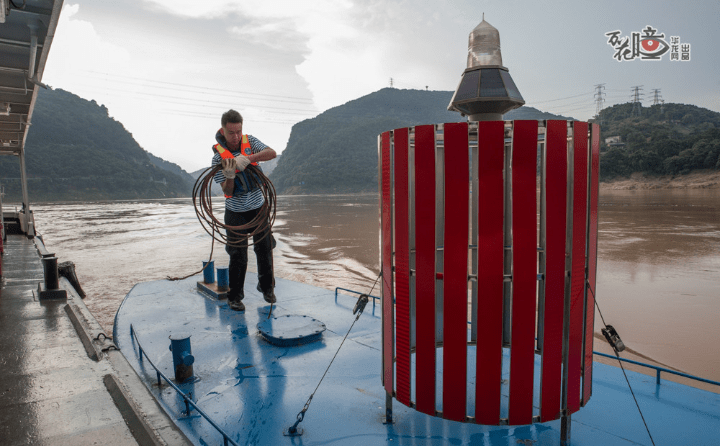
[27,28]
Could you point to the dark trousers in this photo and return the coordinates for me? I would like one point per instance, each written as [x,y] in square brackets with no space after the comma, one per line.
[239,256]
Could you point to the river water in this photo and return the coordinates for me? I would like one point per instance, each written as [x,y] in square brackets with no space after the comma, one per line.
[658,258]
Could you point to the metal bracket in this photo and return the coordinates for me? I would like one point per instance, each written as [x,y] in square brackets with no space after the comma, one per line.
[298,432]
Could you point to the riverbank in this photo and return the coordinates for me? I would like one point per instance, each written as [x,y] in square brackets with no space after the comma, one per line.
[700,179]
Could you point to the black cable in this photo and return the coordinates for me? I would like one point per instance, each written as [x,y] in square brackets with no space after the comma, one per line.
[621,367]
[97,338]
[338,350]
[301,414]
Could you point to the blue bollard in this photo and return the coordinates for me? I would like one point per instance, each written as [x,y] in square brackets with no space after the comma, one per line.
[209,272]
[183,359]
[223,279]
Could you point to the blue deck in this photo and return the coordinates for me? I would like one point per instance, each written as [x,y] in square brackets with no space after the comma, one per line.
[254,390]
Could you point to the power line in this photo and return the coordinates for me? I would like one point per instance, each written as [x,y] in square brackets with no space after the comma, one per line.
[200,102]
[584,101]
[560,99]
[221,90]
[215,117]
[567,110]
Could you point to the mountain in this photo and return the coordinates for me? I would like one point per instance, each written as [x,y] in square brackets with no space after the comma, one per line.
[269,166]
[336,152]
[76,151]
[215,188]
[532,113]
[667,139]
[171,167]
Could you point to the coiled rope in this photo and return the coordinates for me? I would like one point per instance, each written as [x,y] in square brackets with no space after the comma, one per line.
[243,234]
[202,201]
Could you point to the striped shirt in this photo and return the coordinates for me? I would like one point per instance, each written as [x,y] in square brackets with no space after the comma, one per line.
[247,201]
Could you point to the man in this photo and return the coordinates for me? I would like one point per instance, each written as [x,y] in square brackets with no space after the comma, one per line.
[243,201]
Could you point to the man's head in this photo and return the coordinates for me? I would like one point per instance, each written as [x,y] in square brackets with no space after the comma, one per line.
[231,122]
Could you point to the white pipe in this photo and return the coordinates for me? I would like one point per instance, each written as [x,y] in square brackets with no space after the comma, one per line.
[33,48]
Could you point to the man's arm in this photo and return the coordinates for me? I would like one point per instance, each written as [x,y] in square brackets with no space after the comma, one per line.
[264,155]
[228,186]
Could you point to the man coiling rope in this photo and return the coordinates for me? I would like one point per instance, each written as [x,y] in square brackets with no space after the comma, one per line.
[202,202]
[249,206]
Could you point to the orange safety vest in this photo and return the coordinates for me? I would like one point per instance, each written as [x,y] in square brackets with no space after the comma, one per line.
[245,150]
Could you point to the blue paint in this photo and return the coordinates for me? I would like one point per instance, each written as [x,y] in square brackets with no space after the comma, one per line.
[254,390]
[291,330]
[183,359]
[240,332]
[223,278]
[209,271]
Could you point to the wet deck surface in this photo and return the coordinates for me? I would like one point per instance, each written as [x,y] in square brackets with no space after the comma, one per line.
[254,390]
[52,393]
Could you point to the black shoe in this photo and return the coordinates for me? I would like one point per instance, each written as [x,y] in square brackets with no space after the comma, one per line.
[269,296]
[236,305]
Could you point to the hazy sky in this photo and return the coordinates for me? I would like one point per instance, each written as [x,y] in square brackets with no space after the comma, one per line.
[167,69]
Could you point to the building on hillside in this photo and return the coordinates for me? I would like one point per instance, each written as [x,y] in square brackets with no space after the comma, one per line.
[614,141]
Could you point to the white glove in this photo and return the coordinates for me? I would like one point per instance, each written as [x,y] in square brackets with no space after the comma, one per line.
[228,168]
[242,161]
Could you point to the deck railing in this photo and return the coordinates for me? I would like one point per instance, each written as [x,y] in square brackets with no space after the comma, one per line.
[374,298]
[188,401]
[658,370]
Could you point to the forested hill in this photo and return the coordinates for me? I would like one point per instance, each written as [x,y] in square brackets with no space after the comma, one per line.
[336,152]
[75,151]
[670,139]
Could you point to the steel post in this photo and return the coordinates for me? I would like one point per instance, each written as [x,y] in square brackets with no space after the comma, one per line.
[388,409]
[209,271]
[565,421]
[507,243]
[27,226]
[223,279]
[183,359]
[50,269]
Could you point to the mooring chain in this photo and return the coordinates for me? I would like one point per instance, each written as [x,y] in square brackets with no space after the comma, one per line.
[358,309]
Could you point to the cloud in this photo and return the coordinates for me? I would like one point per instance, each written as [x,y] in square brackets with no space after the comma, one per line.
[342,43]
[193,9]
[278,35]
[343,49]
[77,47]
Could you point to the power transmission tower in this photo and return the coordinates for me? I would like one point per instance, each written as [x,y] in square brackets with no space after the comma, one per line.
[637,105]
[391,82]
[657,99]
[599,99]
